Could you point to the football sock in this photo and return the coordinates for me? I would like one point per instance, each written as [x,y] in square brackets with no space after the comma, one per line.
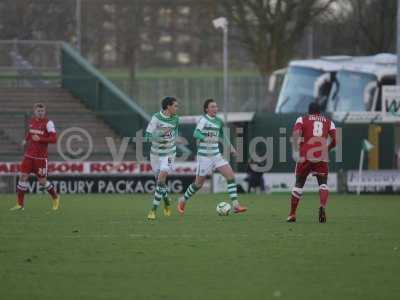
[190,191]
[232,190]
[323,195]
[158,195]
[165,197]
[294,200]
[22,187]
[50,189]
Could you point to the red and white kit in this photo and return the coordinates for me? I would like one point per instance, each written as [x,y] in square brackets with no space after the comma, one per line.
[36,152]
[314,131]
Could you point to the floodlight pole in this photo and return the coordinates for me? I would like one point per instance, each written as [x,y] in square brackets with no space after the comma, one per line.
[225,63]
[222,23]
[78,13]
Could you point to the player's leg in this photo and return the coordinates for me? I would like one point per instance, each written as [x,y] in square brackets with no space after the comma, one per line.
[323,197]
[167,166]
[45,185]
[26,168]
[301,172]
[161,166]
[229,175]
[322,178]
[158,194]
[194,187]
[164,196]
[189,193]
[161,188]
[204,168]
[22,187]
[167,203]
[155,162]
[295,198]
[167,200]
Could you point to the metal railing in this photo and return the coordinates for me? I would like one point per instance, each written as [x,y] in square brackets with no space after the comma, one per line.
[38,64]
[247,93]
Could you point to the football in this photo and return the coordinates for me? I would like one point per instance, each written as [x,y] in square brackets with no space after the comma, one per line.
[223,208]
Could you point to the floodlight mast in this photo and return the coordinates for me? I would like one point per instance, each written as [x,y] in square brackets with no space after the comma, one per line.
[222,23]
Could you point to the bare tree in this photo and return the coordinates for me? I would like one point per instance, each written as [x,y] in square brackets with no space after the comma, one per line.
[129,23]
[270,29]
[35,20]
[29,19]
[375,23]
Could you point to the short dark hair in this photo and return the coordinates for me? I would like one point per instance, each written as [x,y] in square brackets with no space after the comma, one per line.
[167,101]
[206,103]
[314,108]
[39,105]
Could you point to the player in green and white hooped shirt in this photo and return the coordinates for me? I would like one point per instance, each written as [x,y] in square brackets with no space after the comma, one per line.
[208,132]
[162,132]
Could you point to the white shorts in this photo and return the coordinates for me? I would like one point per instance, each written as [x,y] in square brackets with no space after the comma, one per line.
[207,164]
[162,163]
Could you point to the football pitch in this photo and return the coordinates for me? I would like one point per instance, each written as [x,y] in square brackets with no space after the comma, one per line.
[102,247]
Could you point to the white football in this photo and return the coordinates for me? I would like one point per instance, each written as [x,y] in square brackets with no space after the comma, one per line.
[223,208]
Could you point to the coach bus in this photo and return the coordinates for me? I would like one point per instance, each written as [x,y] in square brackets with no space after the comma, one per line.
[338,83]
[358,85]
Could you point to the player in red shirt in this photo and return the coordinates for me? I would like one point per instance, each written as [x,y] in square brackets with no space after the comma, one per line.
[41,132]
[310,148]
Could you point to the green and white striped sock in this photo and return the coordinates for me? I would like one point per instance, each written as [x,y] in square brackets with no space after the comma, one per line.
[167,202]
[190,191]
[232,190]
[158,195]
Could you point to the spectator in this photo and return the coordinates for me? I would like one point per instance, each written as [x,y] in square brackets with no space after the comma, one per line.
[255,177]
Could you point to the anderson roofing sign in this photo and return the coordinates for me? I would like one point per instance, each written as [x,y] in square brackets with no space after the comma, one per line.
[99,168]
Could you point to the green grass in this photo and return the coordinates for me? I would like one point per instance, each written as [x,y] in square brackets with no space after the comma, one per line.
[102,247]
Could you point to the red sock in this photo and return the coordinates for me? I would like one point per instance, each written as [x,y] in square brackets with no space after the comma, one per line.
[21,189]
[52,191]
[20,197]
[323,195]
[294,200]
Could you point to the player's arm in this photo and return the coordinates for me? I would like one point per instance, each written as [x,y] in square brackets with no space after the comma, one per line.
[197,134]
[149,137]
[332,135]
[52,135]
[296,137]
[152,134]
[297,133]
[50,139]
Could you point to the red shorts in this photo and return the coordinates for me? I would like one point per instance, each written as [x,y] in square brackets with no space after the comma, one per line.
[303,169]
[34,165]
